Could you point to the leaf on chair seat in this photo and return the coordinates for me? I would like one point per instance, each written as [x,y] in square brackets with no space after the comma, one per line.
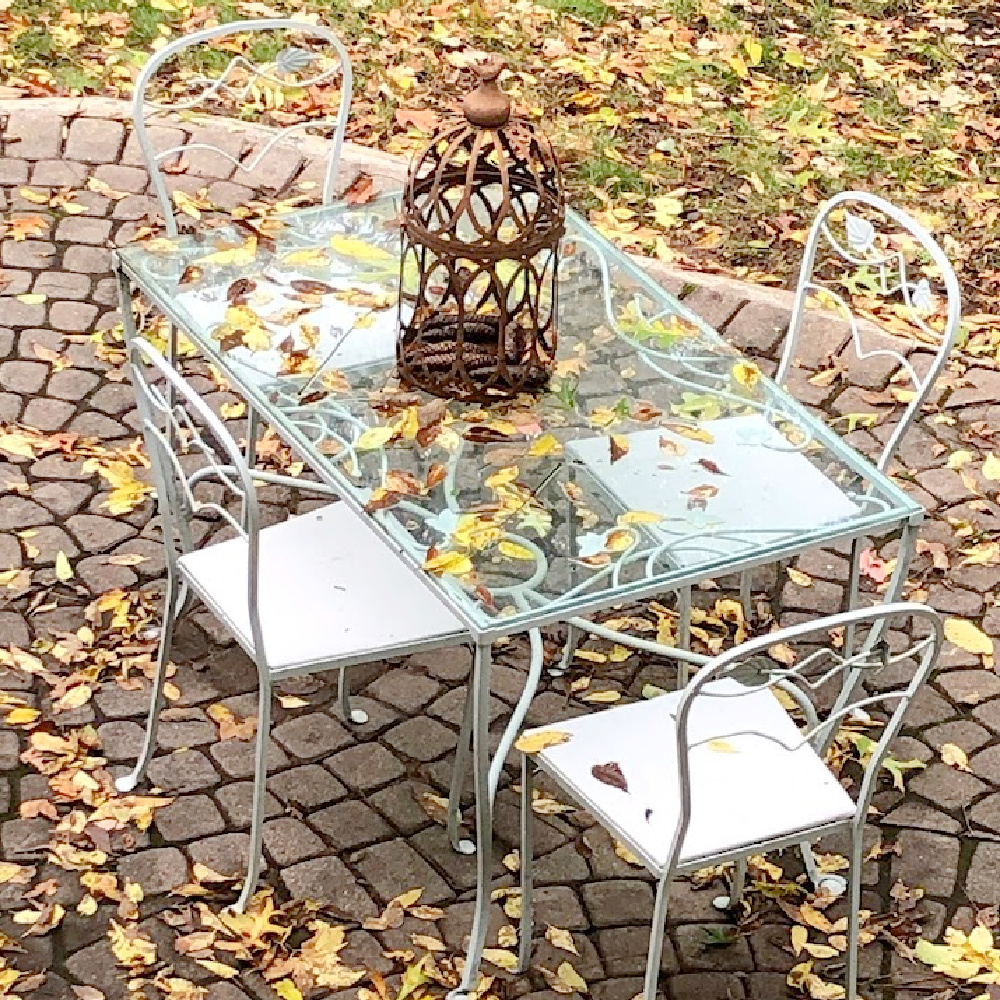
[610,774]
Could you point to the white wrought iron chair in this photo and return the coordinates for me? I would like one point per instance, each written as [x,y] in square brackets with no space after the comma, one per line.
[888,270]
[720,770]
[244,80]
[318,591]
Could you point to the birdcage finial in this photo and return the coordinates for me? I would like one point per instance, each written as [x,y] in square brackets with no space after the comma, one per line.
[487,106]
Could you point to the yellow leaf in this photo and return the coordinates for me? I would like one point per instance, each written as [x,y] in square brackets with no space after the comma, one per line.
[87,906]
[820,950]
[292,701]
[10,872]
[981,939]
[375,437]
[364,253]
[218,968]
[64,571]
[626,855]
[639,517]
[75,697]
[22,716]
[514,551]
[619,653]
[545,445]
[130,949]
[507,936]
[231,411]
[311,257]
[755,51]
[408,898]
[233,255]
[968,636]
[603,697]
[456,563]
[30,298]
[721,746]
[799,578]
[991,468]
[955,756]
[689,432]
[800,935]
[540,739]
[746,373]
[567,975]
[428,942]
[501,958]
[502,477]
[287,990]
[959,458]
[35,197]
[560,939]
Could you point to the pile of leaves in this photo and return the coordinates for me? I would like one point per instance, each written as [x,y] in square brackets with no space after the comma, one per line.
[703,131]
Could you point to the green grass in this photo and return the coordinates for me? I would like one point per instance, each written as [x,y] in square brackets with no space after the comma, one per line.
[592,11]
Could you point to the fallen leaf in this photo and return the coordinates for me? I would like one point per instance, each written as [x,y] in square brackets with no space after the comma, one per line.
[64,571]
[955,756]
[539,740]
[968,636]
[610,774]
[561,938]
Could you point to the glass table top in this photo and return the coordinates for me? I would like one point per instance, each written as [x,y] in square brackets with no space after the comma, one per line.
[657,457]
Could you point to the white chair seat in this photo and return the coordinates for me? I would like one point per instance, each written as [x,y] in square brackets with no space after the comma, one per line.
[745,789]
[330,591]
[767,491]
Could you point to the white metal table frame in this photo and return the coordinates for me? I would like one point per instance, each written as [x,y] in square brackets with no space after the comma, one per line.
[906,516]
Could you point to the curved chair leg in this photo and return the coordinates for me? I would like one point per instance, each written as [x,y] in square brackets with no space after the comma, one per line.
[829,882]
[259,794]
[683,633]
[656,932]
[172,604]
[356,715]
[735,896]
[853,907]
[527,865]
[463,754]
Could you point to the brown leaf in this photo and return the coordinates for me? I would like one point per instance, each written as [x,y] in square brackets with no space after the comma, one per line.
[425,119]
[619,447]
[709,465]
[362,190]
[610,774]
[240,289]
[309,287]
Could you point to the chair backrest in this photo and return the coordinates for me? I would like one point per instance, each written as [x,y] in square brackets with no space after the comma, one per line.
[828,688]
[190,450]
[904,270]
[247,78]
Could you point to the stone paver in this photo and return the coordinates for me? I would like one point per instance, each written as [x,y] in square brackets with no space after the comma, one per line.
[347,824]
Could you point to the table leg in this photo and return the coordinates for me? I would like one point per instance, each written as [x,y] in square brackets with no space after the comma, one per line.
[484,815]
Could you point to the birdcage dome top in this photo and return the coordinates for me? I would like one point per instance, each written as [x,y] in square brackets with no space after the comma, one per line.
[488,182]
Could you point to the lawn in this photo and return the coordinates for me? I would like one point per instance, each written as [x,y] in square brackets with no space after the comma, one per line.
[702,132]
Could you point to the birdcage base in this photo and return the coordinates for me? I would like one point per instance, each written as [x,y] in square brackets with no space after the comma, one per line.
[478,369]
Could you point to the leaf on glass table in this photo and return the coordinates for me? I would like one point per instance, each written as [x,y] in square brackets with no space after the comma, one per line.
[639,517]
[307,286]
[747,374]
[191,275]
[674,449]
[361,190]
[721,746]
[512,550]
[362,252]
[246,253]
[698,496]
[689,431]
[307,257]
[710,466]
[610,774]
[449,562]
[540,739]
[619,447]
[239,289]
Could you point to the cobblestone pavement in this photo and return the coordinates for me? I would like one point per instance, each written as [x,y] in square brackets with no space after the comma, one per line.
[346,823]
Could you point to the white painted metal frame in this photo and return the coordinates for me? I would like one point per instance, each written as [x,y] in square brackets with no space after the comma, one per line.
[749,663]
[290,60]
[177,422]
[861,250]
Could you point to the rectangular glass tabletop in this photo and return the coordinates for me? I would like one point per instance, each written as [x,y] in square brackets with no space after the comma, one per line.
[657,457]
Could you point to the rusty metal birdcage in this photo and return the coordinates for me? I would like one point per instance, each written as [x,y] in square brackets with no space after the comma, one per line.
[483,214]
